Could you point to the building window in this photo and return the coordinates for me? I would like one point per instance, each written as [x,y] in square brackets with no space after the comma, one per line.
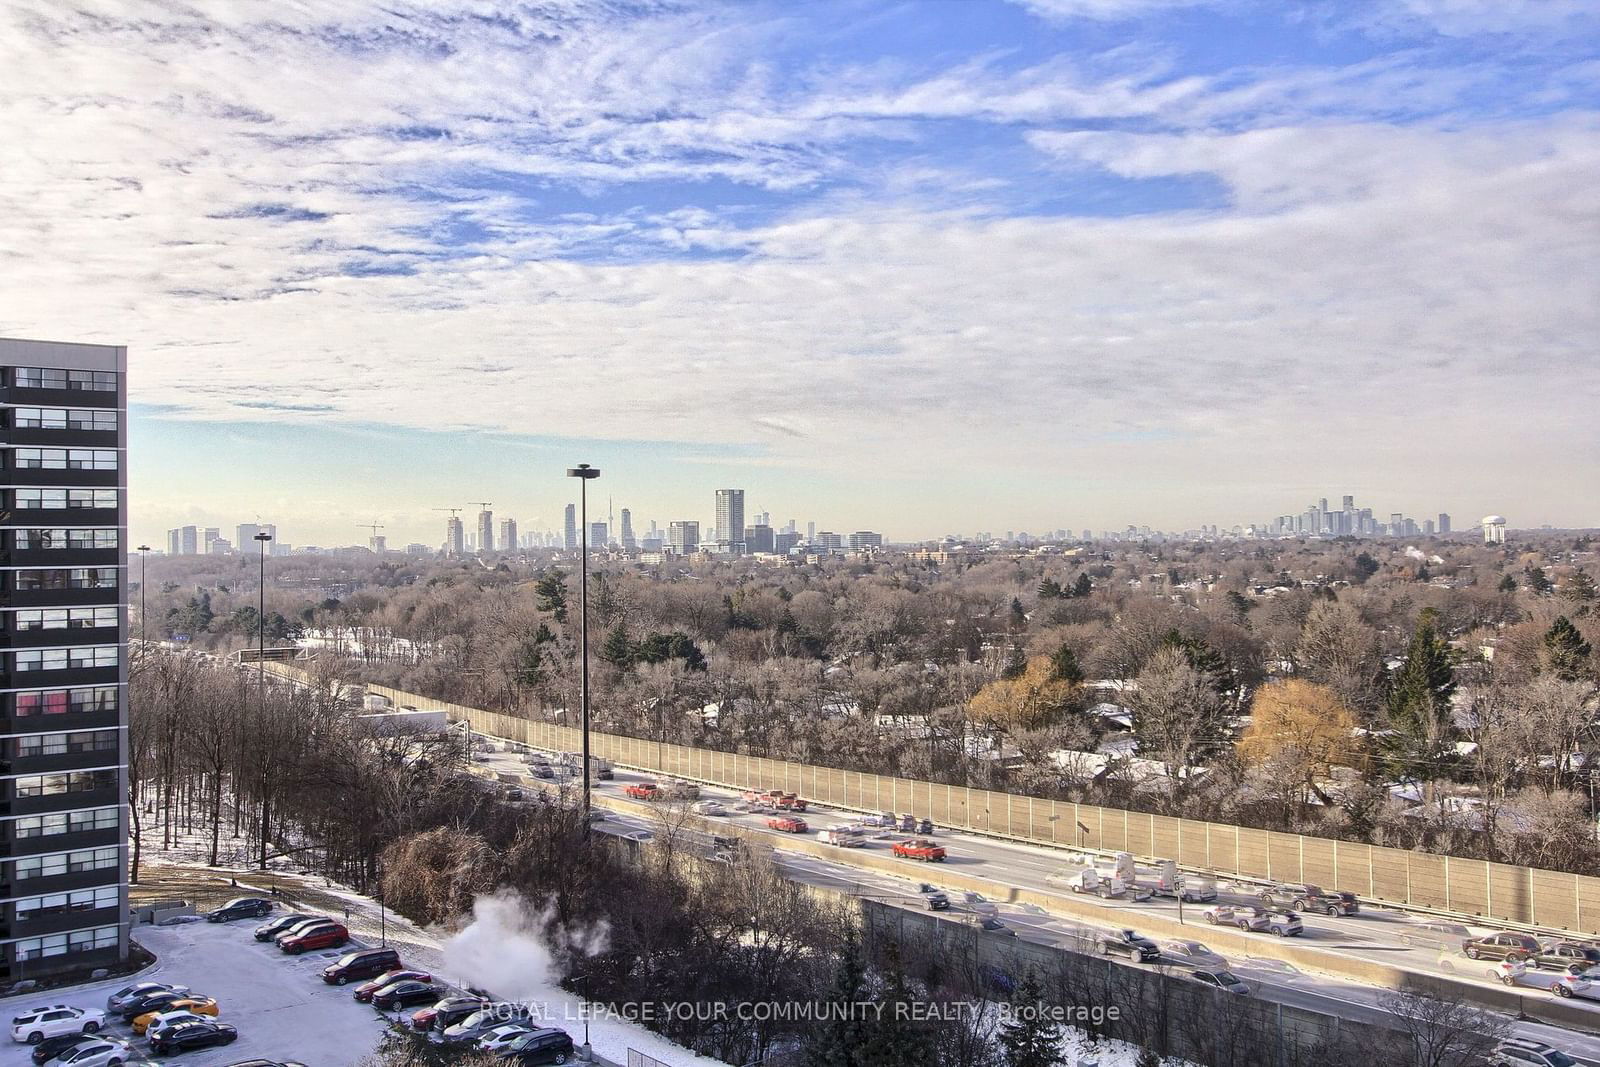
[66,903]
[52,785]
[99,381]
[40,539]
[89,656]
[64,744]
[96,698]
[64,419]
[93,538]
[65,618]
[39,378]
[33,948]
[71,822]
[40,458]
[67,578]
[92,459]
[43,702]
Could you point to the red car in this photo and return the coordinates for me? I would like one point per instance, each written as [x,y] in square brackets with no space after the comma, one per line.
[365,990]
[643,791]
[918,848]
[788,824]
[330,936]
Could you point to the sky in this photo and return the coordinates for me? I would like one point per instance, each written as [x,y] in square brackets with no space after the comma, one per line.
[925,267]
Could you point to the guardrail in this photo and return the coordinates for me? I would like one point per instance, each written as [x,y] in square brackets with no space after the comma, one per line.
[1425,881]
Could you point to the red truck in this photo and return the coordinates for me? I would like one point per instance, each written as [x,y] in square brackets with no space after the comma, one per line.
[787,824]
[785,801]
[643,791]
[918,848]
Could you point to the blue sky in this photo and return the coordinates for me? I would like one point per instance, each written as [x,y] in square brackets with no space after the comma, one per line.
[924,267]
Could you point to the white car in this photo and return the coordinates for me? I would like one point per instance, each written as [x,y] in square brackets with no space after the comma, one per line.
[1576,985]
[101,1052]
[708,807]
[1506,972]
[169,1020]
[500,1037]
[48,1020]
[1193,953]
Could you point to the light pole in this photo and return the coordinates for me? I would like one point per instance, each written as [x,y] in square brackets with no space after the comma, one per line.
[261,614]
[143,549]
[584,473]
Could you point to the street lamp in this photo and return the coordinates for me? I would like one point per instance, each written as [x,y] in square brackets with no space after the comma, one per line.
[261,614]
[143,549]
[584,472]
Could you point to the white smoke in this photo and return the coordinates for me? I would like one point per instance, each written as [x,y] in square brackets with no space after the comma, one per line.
[1413,552]
[505,951]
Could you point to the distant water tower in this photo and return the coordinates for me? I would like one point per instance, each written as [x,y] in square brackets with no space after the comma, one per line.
[1494,529]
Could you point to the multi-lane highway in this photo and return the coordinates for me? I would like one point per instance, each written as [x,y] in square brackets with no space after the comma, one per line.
[1373,935]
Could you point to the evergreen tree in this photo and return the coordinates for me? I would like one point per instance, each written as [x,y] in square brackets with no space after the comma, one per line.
[1203,658]
[617,649]
[1565,653]
[1538,581]
[1016,663]
[1579,588]
[551,594]
[543,635]
[1419,705]
[1049,589]
[1030,1037]
[1507,584]
[900,1038]
[845,1028]
[1019,618]
[1082,587]
[1366,567]
[1064,666]
[1241,604]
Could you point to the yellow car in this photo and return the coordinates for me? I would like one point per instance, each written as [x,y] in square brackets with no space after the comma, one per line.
[192,1005]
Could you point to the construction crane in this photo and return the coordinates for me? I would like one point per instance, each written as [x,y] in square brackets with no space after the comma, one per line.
[484,504]
[373,526]
[452,511]
[374,542]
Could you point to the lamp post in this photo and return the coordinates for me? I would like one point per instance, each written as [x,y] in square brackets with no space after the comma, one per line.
[261,614]
[143,550]
[584,473]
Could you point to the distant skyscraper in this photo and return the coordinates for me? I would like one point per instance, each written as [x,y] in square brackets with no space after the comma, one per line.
[508,535]
[730,521]
[174,542]
[758,538]
[864,539]
[455,536]
[245,533]
[572,527]
[597,535]
[1444,523]
[485,530]
[628,543]
[811,531]
[783,542]
[683,537]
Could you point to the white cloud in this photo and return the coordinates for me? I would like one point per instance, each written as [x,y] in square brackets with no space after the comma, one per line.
[1105,10]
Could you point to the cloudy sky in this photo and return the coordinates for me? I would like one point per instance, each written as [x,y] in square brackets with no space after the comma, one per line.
[942,265]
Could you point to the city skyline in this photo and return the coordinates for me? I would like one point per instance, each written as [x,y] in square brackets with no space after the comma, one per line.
[911,265]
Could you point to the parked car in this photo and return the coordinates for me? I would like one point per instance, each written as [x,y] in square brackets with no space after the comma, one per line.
[405,993]
[1225,980]
[1244,916]
[1517,1052]
[1503,946]
[51,1047]
[1308,897]
[1137,948]
[1505,971]
[364,991]
[331,936]
[96,1052]
[445,1013]
[501,1036]
[1435,935]
[194,1035]
[35,1024]
[787,824]
[168,1021]
[240,908]
[275,926]
[919,848]
[709,807]
[118,1000]
[364,964]
[480,1022]
[195,1006]
[161,1000]
[303,925]
[543,1046]
[1567,956]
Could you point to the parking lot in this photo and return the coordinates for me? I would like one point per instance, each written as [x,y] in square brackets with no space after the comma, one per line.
[280,1005]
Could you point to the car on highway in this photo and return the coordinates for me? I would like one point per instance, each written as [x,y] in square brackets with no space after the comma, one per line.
[642,791]
[1307,897]
[681,790]
[330,936]
[919,848]
[1224,980]
[709,807]
[1244,916]
[979,903]
[445,1013]
[240,908]
[1576,985]
[366,963]
[1501,946]
[364,991]
[787,824]
[1435,935]
[885,821]
[1138,948]
[190,1036]
[935,900]
[541,770]
[279,924]
[1570,957]
[1193,953]
[1506,972]
[405,993]
[991,925]
[1518,1052]
[842,836]
[777,798]
[119,1000]
[97,1052]
[33,1025]
[191,1006]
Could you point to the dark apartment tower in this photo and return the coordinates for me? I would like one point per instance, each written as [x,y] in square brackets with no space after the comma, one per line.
[63,701]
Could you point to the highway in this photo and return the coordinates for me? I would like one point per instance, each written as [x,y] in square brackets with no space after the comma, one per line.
[1371,935]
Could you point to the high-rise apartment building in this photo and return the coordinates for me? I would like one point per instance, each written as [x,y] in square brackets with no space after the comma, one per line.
[455,536]
[485,530]
[628,543]
[865,539]
[730,521]
[683,537]
[508,535]
[63,709]
[572,527]
[758,538]
[1444,523]
[184,541]
[598,535]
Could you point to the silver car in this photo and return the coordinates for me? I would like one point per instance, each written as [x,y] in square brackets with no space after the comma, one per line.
[101,1052]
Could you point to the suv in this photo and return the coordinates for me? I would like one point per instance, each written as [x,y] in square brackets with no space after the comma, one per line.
[1435,935]
[1127,943]
[1567,956]
[367,963]
[240,908]
[548,1045]
[52,1020]
[1519,947]
[330,936]
[1308,897]
[1517,1052]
